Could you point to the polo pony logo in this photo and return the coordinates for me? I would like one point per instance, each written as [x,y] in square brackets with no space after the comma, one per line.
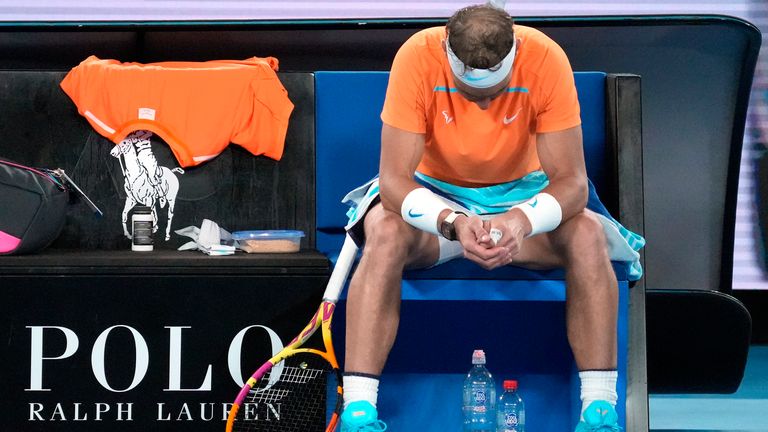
[146,183]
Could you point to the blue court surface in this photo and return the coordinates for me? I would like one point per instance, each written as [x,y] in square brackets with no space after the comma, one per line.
[744,411]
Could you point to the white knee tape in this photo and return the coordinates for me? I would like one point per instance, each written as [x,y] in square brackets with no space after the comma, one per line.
[543,212]
[421,208]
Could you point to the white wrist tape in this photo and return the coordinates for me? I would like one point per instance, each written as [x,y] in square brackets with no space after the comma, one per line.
[543,212]
[421,209]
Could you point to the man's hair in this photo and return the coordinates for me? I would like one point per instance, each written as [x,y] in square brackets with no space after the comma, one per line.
[481,36]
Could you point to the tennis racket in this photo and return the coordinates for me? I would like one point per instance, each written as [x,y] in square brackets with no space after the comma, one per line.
[299,389]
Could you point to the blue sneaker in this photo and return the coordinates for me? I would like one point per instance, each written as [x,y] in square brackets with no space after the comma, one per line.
[599,416]
[361,416]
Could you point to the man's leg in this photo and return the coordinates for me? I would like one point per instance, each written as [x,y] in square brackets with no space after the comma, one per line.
[580,247]
[591,314]
[373,306]
[592,294]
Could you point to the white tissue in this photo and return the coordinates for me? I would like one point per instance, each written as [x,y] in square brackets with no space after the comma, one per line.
[209,238]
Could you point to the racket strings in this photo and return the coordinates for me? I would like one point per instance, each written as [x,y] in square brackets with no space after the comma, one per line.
[302,399]
[290,374]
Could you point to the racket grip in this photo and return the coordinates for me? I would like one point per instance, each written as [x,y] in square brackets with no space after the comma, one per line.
[341,269]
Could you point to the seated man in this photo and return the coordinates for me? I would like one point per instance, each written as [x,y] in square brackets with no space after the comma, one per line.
[482,157]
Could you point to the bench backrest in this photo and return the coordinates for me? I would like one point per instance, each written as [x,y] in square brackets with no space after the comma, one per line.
[348,140]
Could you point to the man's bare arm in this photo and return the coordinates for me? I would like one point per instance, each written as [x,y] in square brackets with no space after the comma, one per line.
[400,155]
[562,158]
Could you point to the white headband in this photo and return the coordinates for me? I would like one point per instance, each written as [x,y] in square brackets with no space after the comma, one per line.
[480,78]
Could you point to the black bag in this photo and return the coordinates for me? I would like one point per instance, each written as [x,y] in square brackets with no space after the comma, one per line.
[33,207]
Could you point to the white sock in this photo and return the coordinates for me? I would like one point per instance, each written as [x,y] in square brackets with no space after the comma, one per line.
[598,385]
[357,388]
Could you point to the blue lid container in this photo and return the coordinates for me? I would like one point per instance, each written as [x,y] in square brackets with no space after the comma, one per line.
[269,241]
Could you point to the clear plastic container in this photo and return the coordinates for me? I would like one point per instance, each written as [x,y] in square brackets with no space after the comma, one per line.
[269,241]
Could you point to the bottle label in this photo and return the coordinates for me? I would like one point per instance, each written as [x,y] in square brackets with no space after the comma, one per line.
[142,232]
[510,420]
[479,396]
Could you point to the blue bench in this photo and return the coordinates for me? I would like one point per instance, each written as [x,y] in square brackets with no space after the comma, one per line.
[516,315]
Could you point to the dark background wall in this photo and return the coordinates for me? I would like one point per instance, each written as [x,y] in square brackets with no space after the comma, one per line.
[696,72]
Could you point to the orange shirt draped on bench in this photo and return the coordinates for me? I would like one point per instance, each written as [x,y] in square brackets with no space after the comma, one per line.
[198,108]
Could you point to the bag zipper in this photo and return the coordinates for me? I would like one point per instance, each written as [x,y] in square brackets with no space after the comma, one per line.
[41,172]
[59,178]
[58,172]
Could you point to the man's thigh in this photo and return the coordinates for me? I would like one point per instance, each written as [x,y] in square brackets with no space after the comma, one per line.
[548,250]
[423,249]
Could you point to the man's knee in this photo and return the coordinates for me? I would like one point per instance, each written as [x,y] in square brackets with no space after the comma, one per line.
[582,236]
[386,232]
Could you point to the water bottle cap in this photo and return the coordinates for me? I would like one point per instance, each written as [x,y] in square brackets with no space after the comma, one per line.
[510,385]
[478,357]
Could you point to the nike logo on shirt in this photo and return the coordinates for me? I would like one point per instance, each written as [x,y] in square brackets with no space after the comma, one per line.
[508,120]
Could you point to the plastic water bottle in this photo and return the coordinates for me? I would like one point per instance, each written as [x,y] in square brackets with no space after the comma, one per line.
[511,409]
[479,396]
